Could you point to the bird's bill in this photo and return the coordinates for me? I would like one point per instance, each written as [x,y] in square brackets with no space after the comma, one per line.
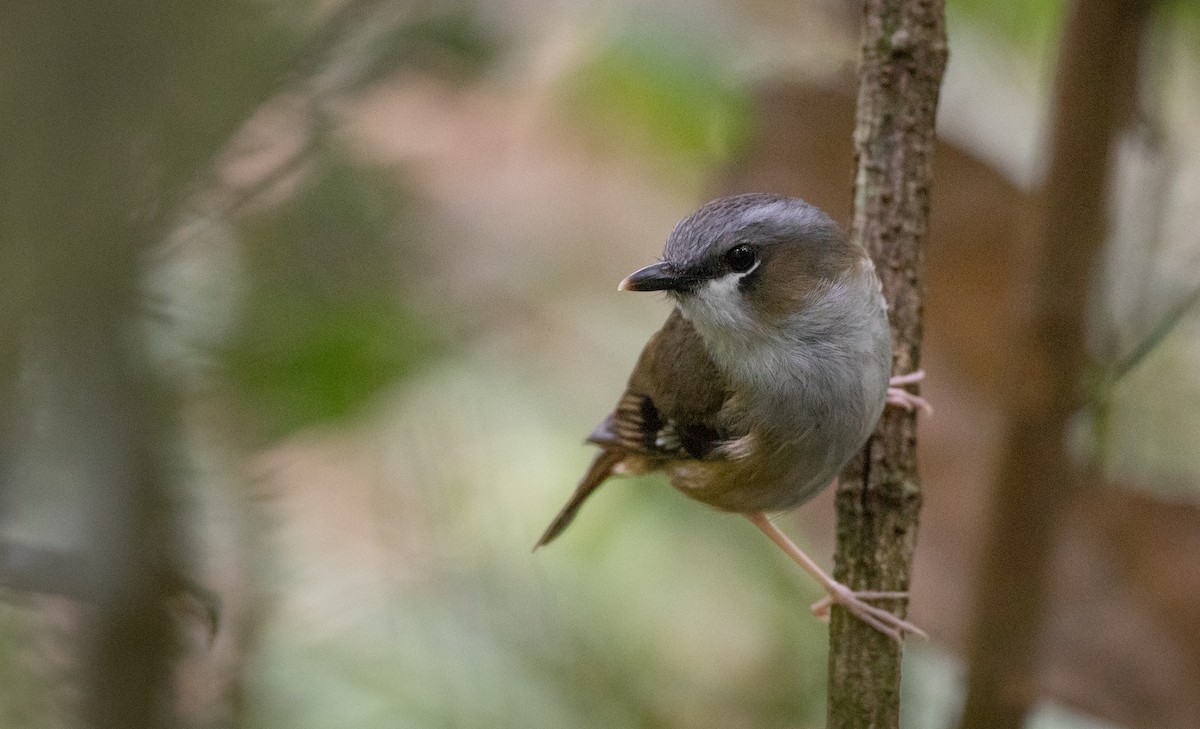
[655,277]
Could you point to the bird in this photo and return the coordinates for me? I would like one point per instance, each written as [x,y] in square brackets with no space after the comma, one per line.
[769,373]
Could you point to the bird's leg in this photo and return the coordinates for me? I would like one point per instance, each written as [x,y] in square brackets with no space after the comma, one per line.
[855,602]
[901,398]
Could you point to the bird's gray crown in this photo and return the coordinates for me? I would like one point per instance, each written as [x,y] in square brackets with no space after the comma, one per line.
[754,218]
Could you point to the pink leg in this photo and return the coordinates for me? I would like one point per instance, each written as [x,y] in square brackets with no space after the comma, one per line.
[899,397]
[854,602]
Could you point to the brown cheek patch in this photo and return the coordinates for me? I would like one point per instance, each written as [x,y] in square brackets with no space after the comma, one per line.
[787,276]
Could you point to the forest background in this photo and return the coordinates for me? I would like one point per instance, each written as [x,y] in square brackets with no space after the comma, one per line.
[309,305]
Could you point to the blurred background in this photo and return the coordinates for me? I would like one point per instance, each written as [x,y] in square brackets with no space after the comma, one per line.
[308,305]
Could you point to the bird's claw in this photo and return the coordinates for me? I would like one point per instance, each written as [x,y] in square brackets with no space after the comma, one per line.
[897,396]
[855,603]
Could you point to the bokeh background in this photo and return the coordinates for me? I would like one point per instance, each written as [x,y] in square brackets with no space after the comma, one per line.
[308,305]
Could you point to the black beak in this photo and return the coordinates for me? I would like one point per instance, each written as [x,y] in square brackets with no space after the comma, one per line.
[655,277]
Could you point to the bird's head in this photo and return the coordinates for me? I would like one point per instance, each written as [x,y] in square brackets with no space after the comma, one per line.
[748,262]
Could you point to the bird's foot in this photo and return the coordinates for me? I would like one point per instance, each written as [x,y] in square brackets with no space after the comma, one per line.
[897,396]
[855,602]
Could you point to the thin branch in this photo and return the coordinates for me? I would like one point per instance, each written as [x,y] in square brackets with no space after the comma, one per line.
[1157,334]
[903,58]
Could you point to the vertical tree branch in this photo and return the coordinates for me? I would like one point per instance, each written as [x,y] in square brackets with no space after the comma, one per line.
[102,129]
[903,57]
[1097,61]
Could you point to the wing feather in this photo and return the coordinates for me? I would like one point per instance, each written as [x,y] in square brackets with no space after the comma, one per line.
[672,407]
[671,410]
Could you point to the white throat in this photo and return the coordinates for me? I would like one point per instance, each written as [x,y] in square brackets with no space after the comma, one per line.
[718,310]
[841,322]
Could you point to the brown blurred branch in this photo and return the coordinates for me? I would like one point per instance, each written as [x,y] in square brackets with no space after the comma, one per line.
[1097,65]
[903,57]
[297,76]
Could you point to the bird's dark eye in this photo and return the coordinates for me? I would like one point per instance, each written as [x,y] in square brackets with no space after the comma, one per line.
[741,258]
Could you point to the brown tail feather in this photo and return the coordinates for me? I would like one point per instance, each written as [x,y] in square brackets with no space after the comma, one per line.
[600,470]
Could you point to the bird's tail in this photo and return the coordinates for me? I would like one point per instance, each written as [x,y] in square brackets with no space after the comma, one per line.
[601,468]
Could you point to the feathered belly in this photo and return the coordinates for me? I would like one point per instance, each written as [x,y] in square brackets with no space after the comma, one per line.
[769,478]
[781,467]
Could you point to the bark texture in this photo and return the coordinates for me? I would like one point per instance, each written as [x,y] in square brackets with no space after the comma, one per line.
[903,57]
[1096,71]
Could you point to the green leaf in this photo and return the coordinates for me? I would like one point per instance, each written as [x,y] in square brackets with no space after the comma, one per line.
[324,328]
[674,98]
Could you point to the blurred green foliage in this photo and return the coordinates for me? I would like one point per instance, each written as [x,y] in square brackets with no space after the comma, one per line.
[325,327]
[1183,14]
[305,359]
[1035,23]
[662,94]
[1021,22]
[651,612]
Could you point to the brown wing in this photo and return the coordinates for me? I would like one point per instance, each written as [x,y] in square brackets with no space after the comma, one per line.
[669,411]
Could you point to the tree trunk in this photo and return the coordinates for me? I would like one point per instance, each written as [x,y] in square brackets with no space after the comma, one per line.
[1036,481]
[903,57]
